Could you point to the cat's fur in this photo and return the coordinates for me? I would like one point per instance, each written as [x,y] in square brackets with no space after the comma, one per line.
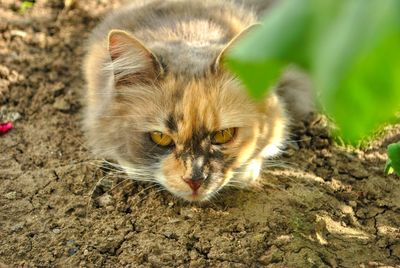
[158,66]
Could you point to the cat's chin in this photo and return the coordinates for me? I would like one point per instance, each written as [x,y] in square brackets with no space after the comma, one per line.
[195,197]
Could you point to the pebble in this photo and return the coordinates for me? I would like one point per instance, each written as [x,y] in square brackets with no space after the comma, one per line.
[4,71]
[168,234]
[11,195]
[73,247]
[9,116]
[62,105]
[174,220]
[18,33]
[17,227]
[353,203]
[56,230]
[105,200]
[73,251]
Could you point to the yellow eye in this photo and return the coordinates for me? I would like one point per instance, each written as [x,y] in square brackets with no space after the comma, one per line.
[223,136]
[161,138]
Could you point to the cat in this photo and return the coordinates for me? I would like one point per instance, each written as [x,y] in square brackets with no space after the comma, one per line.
[161,103]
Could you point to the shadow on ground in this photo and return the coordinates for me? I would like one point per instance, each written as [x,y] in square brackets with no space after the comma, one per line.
[319,205]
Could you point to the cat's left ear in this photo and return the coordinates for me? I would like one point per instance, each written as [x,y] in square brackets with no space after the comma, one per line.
[219,60]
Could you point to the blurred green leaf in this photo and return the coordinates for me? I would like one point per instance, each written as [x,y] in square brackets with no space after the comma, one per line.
[260,58]
[25,6]
[351,49]
[394,158]
[357,67]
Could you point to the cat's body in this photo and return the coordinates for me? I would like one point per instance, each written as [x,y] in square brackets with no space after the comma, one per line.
[160,102]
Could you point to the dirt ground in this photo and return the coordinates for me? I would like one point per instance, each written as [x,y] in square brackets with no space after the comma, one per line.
[321,205]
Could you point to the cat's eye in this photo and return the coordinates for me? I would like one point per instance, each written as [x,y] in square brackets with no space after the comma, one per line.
[161,139]
[223,136]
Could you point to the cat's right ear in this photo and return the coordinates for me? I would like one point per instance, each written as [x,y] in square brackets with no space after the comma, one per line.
[131,61]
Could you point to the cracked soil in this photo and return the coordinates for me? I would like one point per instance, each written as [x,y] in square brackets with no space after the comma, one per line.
[321,204]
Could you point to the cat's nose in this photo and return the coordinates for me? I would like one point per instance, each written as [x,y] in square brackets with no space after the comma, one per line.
[194,183]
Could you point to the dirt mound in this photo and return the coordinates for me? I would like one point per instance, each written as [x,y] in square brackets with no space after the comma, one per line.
[320,205]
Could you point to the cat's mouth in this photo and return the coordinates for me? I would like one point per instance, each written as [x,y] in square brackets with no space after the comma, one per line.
[203,193]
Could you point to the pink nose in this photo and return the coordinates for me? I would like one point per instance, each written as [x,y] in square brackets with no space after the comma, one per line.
[194,184]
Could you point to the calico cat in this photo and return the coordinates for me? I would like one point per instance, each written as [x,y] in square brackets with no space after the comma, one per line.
[161,103]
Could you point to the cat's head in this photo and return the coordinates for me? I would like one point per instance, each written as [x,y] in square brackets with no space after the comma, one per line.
[192,135]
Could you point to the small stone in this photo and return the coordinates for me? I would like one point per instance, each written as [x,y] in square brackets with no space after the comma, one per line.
[174,220]
[193,255]
[170,204]
[105,200]
[353,203]
[56,230]
[110,208]
[17,227]
[62,105]
[321,232]
[86,252]
[73,251]
[282,240]
[18,33]
[168,234]
[11,195]
[14,116]
[8,116]
[4,71]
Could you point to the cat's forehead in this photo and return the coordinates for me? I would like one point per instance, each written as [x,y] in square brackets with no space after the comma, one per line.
[194,109]
[193,120]
[199,107]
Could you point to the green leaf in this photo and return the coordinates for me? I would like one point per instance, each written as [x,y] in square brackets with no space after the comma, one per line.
[25,6]
[260,58]
[388,167]
[357,67]
[351,49]
[393,152]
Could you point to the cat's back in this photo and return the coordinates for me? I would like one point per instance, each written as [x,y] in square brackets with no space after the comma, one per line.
[186,34]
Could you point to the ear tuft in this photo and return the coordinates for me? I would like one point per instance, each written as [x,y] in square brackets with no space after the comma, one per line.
[131,61]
